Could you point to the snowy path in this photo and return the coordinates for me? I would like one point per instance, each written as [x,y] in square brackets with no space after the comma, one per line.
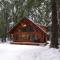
[24,52]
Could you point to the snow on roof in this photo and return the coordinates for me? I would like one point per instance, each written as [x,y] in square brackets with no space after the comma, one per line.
[31,19]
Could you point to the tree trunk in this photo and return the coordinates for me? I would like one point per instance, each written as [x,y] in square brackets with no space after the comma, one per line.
[54,27]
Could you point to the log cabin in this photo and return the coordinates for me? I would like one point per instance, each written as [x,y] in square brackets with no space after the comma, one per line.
[28,32]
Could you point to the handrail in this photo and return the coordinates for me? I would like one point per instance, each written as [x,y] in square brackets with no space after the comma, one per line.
[28,33]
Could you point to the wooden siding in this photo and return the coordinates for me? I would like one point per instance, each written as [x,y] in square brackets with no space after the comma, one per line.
[28,37]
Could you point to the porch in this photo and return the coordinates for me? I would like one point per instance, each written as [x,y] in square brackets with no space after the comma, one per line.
[28,37]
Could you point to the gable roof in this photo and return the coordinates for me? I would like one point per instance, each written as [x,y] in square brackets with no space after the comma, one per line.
[39,26]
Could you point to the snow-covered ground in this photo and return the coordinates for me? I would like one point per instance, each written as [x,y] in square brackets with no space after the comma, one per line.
[28,52]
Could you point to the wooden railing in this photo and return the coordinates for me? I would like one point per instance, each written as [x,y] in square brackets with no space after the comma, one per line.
[35,33]
[27,36]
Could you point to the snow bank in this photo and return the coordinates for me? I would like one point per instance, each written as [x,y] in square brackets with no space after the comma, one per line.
[28,52]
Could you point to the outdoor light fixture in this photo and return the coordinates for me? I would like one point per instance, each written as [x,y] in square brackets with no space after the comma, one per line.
[24,25]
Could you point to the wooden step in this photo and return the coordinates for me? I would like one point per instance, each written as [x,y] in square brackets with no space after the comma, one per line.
[26,43]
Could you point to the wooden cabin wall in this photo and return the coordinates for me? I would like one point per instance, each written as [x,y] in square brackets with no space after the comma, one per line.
[41,38]
[17,38]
